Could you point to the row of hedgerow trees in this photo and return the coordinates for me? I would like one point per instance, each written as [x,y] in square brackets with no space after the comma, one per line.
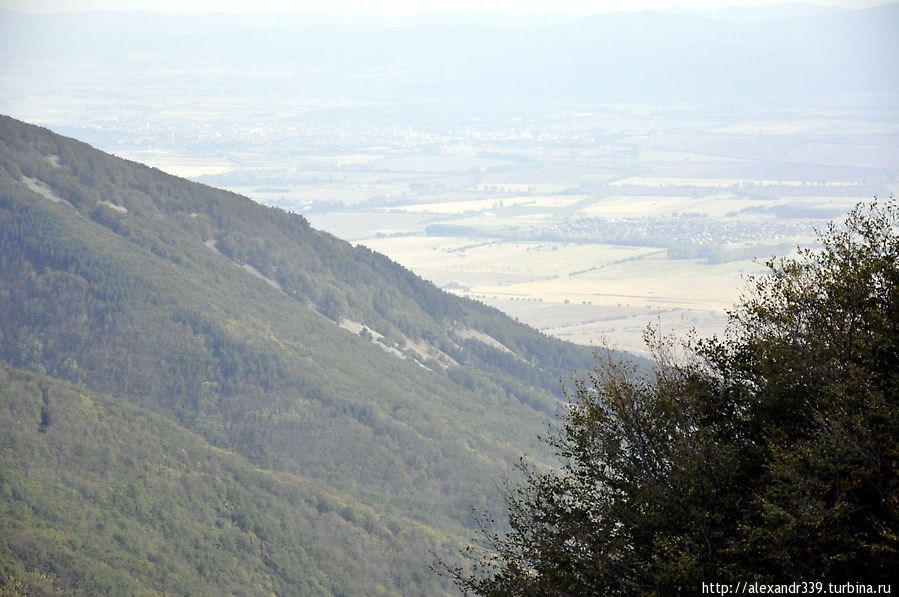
[768,455]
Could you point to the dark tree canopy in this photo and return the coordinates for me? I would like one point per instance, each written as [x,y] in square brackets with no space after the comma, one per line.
[767,455]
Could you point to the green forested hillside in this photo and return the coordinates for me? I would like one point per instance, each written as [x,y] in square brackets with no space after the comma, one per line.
[306,368]
[100,497]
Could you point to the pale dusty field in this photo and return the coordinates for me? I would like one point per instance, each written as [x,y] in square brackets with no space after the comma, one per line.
[184,166]
[459,207]
[622,328]
[629,206]
[533,259]
[591,294]
[511,187]
[661,182]
[722,204]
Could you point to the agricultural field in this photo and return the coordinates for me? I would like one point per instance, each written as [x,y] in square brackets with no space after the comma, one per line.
[587,221]
[587,256]
[587,293]
[589,240]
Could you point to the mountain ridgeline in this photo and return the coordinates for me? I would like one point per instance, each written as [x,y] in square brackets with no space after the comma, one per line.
[205,395]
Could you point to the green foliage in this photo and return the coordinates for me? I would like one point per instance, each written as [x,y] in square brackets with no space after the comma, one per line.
[106,498]
[219,315]
[770,455]
[821,339]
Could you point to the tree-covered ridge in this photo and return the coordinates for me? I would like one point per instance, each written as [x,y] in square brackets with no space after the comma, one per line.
[173,218]
[219,314]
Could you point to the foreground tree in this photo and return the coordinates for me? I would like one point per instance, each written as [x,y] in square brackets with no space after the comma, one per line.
[768,455]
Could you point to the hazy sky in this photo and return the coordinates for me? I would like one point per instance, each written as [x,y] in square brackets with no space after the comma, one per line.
[395,7]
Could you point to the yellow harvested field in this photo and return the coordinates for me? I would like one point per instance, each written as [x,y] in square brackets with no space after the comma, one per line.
[587,293]
[787,127]
[661,182]
[721,205]
[190,171]
[554,200]
[182,165]
[628,206]
[676,287]
[472,256]
[558,272]
[843,203]
[626,333]
[716,205]
[479,205]
[520,188]
[296,197]
[664,155]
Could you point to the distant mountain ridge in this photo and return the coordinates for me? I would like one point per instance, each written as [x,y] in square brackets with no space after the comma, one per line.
[648,54]
[145,318]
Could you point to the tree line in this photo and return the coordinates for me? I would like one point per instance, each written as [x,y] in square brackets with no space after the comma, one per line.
[768,454]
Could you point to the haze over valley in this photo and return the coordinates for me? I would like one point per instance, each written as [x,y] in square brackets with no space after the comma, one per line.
[587,175]
[309,304]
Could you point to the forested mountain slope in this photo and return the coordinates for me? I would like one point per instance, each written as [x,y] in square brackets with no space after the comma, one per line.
[100,497]
[234,348]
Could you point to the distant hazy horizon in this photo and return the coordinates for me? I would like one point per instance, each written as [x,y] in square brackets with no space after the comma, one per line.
[583,173]
[405,7]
